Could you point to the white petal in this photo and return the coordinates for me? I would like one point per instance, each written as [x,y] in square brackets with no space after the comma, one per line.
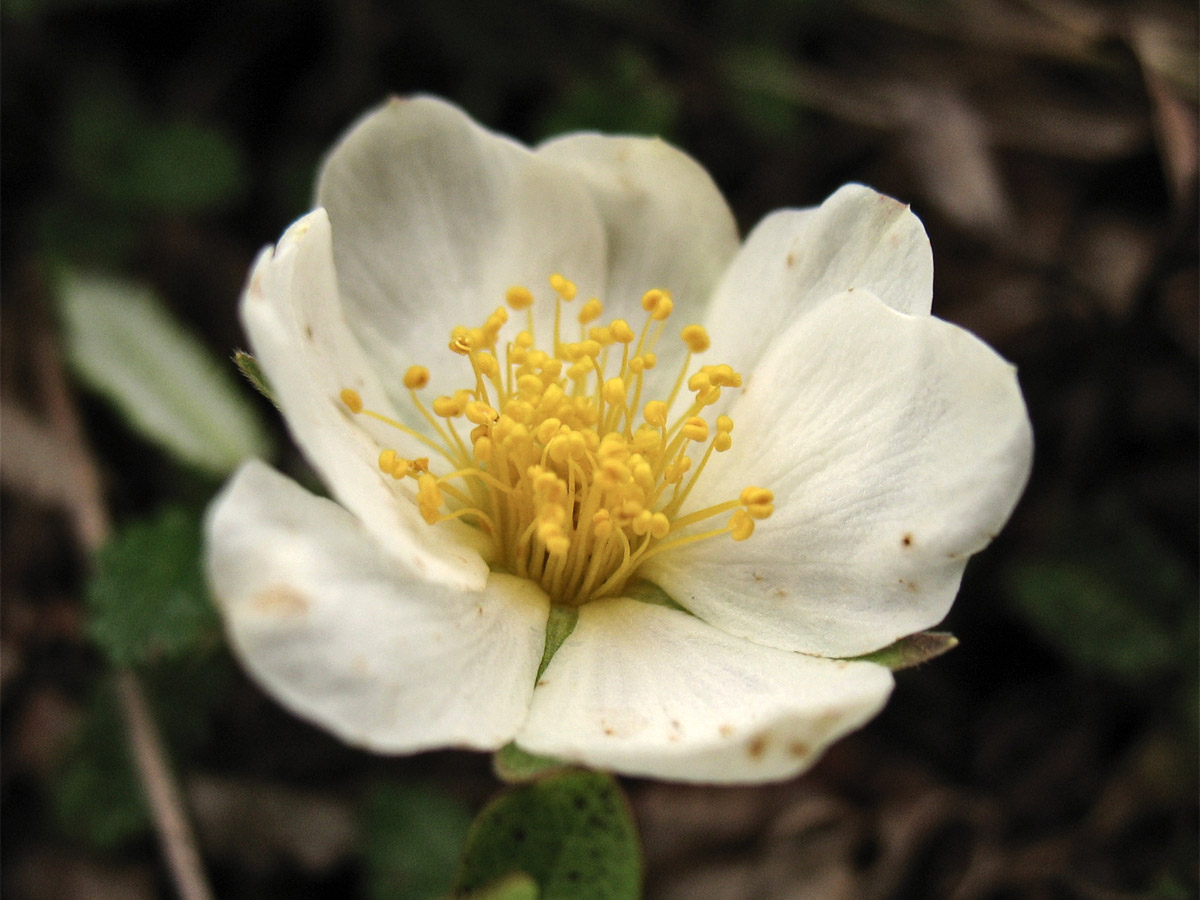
[647,690]
[896,447]
[668,225]
[292,313]
[796,258]
[344,636]
[434,218]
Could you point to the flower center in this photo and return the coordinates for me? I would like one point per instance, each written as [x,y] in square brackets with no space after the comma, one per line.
[576,479]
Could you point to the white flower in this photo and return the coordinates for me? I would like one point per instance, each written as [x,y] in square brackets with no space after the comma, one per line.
[876,448]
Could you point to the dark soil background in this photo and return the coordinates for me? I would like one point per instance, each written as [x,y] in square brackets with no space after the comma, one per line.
[1049,146]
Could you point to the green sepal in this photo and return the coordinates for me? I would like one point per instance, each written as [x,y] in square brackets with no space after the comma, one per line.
[516,766]
[648,592]
[253,373]
[559,626]
[572,833]
[912,650]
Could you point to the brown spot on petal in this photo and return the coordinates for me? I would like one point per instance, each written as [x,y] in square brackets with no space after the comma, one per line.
[791,260]
[907,540]
[757,747]
[780,593]
[725,730]
[281,600]
[799,749]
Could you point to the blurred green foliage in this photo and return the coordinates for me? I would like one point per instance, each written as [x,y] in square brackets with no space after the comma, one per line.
[1111,597]
[413,837]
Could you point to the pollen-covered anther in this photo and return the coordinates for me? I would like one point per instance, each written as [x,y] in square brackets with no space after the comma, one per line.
[695,429]
[620,331]
[451,407]
[696,338]
[563,287]
[614,391]
[758,502]
[429,498]
[655,413]
[416,377]
[479,413]
[591,311]
[658,303]
[460,340]
[741,525]
[352,399]
[518,297]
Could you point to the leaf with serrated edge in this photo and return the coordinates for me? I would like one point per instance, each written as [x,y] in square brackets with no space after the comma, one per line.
[912,650]
[148,599]
[124,344]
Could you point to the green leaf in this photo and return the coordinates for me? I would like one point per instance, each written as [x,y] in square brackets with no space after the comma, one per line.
[413,838]
[517,886]
[912,650]
[148,599]
[124,344]
[572,833]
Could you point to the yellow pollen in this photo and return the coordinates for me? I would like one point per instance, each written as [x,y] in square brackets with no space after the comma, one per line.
[554,464]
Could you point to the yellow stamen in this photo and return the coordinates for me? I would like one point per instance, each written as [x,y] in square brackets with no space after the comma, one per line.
[558,469]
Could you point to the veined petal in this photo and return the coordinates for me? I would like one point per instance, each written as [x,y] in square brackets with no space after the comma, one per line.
[434,218]
[667,224]
[896,446]
[858,239]
[647,690]
[292,312]
[346,637]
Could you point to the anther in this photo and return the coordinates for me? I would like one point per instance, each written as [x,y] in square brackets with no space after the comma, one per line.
[590,311]
[563,287]
[696,338]
[655,413]
[741,526]
[620,331]
[416,378]
[519,298]
[695,429]
[352,399]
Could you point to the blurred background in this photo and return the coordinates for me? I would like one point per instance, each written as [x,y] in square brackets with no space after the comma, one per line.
[151,147]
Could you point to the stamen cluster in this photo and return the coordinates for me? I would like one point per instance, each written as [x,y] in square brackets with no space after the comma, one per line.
[575,478]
